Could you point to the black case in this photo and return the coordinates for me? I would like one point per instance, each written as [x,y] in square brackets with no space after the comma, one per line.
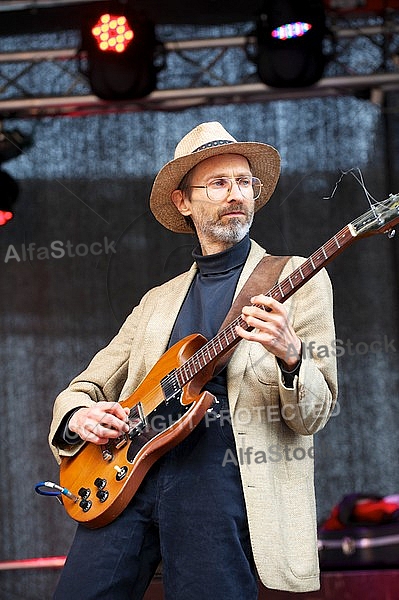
[359,547]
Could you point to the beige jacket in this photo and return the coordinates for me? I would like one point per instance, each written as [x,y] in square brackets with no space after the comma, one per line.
[273,425]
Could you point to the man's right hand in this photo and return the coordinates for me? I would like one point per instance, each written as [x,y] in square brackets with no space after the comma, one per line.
[100,422]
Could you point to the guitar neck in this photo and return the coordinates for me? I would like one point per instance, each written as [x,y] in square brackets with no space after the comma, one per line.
[316,261]
[228,337]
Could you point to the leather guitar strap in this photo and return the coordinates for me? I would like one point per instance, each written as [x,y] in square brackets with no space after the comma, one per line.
[261,280]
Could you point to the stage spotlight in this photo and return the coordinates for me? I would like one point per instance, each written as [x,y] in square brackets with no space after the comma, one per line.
[8,195]
[290,37]
[112,33]
[122,55]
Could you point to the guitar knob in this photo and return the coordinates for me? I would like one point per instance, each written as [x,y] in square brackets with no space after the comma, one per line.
[100,483]
[102,495]
[84,493]
[85,505]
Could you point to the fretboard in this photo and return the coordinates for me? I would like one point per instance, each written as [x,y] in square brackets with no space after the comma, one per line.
[228,337]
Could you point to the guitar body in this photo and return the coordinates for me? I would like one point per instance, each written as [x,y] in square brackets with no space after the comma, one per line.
[103,479]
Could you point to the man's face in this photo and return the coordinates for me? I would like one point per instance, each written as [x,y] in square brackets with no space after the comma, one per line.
[225,222]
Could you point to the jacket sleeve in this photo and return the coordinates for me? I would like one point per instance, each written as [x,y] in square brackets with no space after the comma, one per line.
[103,379]
[307,406]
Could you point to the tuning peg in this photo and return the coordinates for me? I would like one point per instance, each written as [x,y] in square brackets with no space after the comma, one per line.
[391,233]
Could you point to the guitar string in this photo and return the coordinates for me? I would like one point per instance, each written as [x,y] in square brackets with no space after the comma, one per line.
[359,179]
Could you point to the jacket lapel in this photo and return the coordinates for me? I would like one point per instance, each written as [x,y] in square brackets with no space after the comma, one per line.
[167,309]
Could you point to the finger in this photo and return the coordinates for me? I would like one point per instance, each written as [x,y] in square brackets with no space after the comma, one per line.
[102,431]
[266,310]
[89,436]
[113,422]
[266,322]
[115,408]
[267,338]
[267,302]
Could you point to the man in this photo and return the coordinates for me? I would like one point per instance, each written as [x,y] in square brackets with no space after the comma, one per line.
[235,499]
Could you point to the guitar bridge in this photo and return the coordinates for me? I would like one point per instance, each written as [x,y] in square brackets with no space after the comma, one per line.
[137,421]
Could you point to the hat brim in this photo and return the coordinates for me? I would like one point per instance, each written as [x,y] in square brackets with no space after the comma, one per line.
[264,161]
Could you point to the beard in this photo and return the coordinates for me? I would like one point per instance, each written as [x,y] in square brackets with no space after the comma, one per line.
[232,231]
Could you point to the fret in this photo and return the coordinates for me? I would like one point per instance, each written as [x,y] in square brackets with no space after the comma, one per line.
[307,268]
[199,361]
[336,241]
[219,341]
[213,349]
[225,331]
[226,337]
[231,334]
[324,252]
[187,369]
[297,273]
[182,376]
[201,357]
[274,294]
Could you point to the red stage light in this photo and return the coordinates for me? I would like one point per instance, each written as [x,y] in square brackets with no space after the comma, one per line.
[113,33]
[5,216]
[121,55]
[8,195]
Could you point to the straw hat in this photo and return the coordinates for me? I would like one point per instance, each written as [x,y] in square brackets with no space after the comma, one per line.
[206,140]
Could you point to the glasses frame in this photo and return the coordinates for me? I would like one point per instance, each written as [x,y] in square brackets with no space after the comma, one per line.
[232,181]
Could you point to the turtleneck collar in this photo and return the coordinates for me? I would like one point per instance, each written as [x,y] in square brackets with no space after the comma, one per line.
[224,261]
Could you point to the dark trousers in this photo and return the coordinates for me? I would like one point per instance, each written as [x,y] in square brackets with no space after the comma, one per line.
[190,512]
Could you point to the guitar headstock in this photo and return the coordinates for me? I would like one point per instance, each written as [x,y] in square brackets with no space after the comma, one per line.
[381,218]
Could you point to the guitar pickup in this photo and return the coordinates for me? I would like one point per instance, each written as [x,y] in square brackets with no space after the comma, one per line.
[170,386]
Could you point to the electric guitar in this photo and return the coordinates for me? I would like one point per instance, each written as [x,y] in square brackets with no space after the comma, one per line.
[99,481]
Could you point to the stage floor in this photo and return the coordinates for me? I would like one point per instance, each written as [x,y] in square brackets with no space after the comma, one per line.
[335,585]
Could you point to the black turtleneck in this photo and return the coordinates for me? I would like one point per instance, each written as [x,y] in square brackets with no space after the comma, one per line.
[209,298]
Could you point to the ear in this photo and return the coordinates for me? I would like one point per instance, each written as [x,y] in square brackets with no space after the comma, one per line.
[181,202]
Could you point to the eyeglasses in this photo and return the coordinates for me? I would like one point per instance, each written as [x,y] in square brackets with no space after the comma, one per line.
[219,189]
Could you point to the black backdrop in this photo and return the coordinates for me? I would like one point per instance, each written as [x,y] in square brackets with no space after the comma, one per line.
[86,181]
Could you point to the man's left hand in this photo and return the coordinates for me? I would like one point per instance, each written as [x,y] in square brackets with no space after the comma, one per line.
[272,329]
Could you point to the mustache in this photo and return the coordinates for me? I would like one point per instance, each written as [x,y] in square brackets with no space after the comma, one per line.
[237,206]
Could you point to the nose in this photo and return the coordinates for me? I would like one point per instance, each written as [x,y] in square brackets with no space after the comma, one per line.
[235,191]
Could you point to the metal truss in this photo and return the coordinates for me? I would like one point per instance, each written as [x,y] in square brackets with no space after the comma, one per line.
[364,60]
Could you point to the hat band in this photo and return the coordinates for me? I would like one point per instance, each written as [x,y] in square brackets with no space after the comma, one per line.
[212,145]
